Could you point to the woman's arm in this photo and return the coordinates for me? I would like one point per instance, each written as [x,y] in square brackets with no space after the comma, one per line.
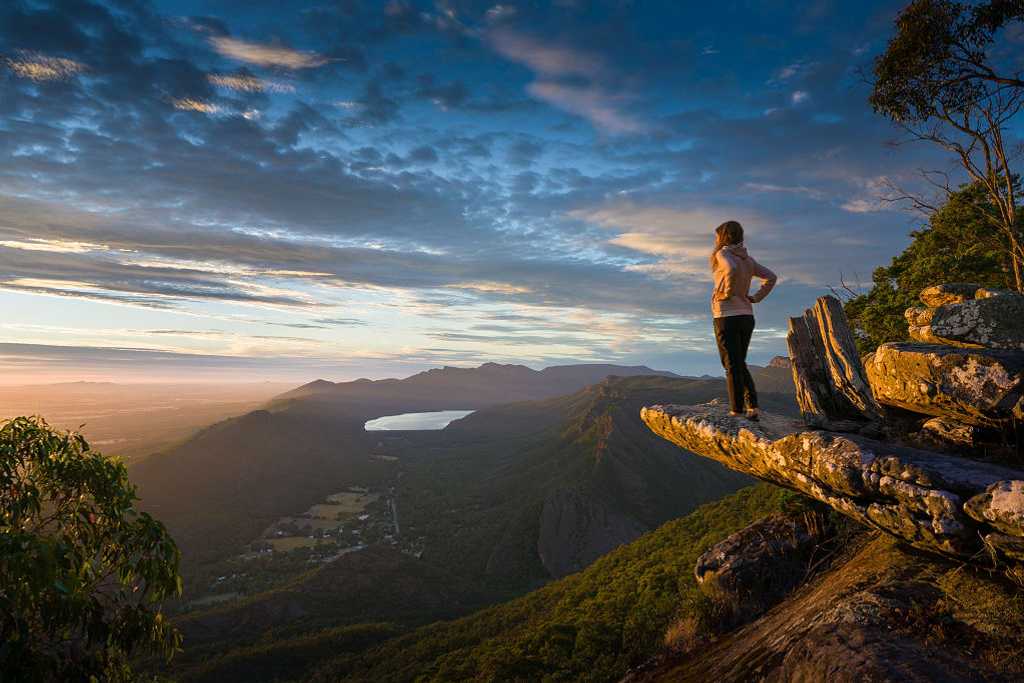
[769,281]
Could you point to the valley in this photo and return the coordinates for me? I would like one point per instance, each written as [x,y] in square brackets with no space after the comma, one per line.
[291,541]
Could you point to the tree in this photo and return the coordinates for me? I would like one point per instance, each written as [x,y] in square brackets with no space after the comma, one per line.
[957,245]
[947,78]
[82,573]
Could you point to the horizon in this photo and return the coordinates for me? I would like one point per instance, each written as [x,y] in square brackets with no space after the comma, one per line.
[229,194]
[238,382]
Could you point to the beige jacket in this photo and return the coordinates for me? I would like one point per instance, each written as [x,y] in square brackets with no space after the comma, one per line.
[733,269]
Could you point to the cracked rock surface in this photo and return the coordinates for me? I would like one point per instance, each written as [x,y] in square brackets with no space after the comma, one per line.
[915,495]
[983,387]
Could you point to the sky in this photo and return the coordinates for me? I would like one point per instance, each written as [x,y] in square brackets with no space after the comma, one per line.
[257,190]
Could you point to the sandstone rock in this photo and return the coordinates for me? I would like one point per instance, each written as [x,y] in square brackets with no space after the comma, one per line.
[985,293]
[915,495]
[780,362]
[858,622]
[831,387]
[757,566]
[951,433]
[1001,505]
[979,386]
[948,293]
[994,320]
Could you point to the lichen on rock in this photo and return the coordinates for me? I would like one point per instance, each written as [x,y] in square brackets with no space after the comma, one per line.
[994,320]
[758,565]
[915,495]
[949,293]
[983,387]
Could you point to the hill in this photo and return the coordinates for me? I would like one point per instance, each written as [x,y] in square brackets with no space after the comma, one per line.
[454,388]
[591,625]
[221,488]
[494,505]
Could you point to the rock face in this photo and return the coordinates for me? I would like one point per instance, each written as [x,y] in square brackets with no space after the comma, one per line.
[948,293]
[757,566]
[1001,505]
[575,530]
[855,623]
[780,362]
[995,321]
[949,433]
[831,387]
[983,387]
[917,496]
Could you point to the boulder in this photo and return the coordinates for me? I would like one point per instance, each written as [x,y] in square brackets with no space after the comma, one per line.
[1001,506]
[994,320]
[946,432]
[948,293]
[876,615]
[915,495]
[982,387]
[759,565]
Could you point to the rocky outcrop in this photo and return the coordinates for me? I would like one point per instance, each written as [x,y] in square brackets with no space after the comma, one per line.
[991,319]
[780,362]
[575,530]
[1001,506]
[948,293]
[983,387]
[878,614]
[945,433]
[757,566]
[831,387]
[915,495]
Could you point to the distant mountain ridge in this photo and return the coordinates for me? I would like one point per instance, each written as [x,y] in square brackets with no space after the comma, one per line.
[488,384]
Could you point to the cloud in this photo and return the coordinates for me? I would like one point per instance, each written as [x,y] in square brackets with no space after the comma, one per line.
[569,79]
[593,104]
[544,58]
[263,54]
[799,97]
[247,83]
[811,192]
[863,205]
[189,104]
[39,67]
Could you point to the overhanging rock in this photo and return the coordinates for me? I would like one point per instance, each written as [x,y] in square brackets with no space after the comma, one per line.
[915,495]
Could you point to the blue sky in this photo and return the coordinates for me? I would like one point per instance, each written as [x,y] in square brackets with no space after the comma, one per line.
[267,190]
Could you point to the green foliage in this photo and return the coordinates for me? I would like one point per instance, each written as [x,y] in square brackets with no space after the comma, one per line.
[958,245]
[589,626]
[937,62]
[81,571]
[289,658]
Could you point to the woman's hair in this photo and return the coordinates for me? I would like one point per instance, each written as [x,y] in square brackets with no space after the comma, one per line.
[726,234]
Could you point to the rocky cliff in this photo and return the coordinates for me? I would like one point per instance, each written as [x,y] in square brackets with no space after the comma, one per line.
[916,442]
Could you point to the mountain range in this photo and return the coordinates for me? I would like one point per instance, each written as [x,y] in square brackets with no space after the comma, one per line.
[553,470]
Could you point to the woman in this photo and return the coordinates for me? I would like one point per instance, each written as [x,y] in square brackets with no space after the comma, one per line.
[732,307]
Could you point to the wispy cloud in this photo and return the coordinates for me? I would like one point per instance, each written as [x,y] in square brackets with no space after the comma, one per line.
[36,66]
[569,79]
[786,189]
[594,104]
[190,104]
[263,54]
[246,83]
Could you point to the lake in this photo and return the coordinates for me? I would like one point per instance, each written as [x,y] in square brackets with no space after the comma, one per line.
[415,421]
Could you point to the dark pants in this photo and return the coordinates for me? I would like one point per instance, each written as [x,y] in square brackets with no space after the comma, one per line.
[733,336]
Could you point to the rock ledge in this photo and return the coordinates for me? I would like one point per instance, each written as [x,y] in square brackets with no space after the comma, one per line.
[915,495]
